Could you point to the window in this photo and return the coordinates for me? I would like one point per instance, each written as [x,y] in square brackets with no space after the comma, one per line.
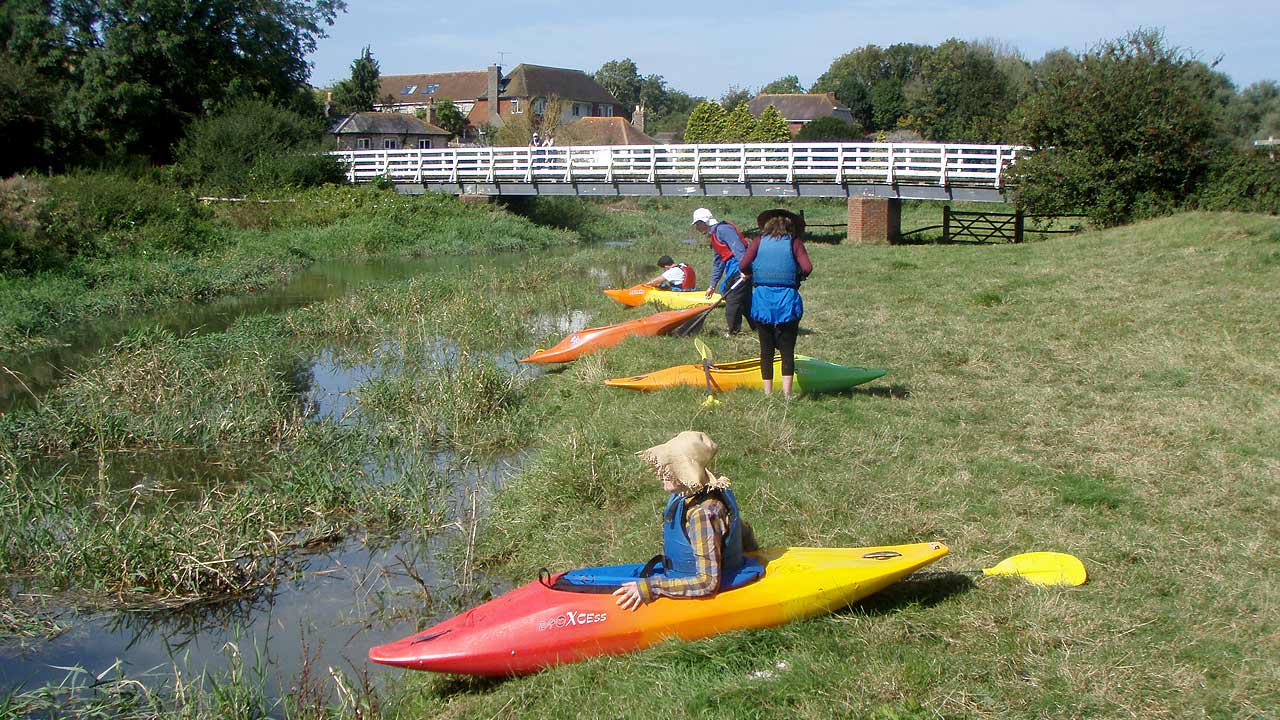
[362,143]
[424,144]
[409,89]
[539,106]
[606,110]
[515,106]
[430,89]
[577,110]
[390,144]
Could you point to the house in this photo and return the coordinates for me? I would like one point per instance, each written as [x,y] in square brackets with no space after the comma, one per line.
[490,98]
[798,109]
[602,131]
[386,131]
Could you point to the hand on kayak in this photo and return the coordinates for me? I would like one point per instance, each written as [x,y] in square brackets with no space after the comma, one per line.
[629,597]
[710,292]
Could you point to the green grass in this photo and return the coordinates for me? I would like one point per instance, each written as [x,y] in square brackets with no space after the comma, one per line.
[1111,394]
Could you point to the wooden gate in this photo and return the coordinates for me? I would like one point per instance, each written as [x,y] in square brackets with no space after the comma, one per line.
[981,226]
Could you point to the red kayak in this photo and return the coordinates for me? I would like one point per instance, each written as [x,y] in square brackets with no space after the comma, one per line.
[592,339]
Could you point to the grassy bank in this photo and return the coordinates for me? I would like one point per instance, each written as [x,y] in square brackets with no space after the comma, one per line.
[1110,395]
[120,265]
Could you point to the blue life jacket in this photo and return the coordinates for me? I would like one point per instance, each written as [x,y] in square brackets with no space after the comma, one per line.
[677,559]
[775,264]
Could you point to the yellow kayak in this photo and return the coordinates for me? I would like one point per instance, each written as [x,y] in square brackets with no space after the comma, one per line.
[812,376]
[641,294]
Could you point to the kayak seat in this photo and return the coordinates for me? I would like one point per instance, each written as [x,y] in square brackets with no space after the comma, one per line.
[607,578]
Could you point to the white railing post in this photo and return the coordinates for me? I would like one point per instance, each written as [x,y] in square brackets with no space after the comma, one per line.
[697,160]
[653,163]
[840,164]
[492,163]
[892,162]
[942,179]
[999,165]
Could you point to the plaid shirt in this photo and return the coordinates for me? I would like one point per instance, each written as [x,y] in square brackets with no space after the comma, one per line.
[707,524]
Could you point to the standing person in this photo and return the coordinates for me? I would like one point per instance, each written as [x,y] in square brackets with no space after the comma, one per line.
[776,263]
[674,276]
[703,536]
[729,245]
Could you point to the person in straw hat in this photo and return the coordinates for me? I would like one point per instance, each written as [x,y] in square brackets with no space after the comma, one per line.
[703,536]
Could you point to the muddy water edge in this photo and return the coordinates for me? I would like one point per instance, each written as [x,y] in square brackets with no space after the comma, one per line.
[251,494]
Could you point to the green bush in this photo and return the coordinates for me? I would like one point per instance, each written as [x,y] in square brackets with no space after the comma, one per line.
[1246,182]
[254,145]
[829,129]
[24,246]
[101,214]
[1123,132]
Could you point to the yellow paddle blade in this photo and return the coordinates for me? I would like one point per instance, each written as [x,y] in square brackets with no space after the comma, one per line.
[1042,568]
[703,350]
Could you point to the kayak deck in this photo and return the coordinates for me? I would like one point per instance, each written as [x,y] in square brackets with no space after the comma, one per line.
[593,339]
[812,376]
[641,294]
[535,626]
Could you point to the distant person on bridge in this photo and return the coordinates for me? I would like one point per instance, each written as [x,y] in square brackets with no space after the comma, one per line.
[728,246]
[776,262]
[674,276]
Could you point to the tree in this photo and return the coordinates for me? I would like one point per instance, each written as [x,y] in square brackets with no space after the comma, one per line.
[735,96]
[359,92]
[449,117]
[860,77]
[1124,132]
[706,123]
[785,85]
[771,127]
[151,66]
[828,129]
[739,126]
[622,79]
[961,95]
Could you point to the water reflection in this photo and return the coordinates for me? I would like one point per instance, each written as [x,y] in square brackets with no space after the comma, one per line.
[337,602]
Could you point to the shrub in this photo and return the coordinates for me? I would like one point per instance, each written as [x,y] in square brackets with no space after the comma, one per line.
[254,145]
[829,129]
[99,214]
[24,247]
[1124,132]
[1246,182]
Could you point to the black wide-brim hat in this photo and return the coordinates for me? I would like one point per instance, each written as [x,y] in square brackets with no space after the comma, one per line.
[797,222]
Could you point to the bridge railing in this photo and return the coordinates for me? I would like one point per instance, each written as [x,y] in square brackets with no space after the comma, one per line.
[793,163]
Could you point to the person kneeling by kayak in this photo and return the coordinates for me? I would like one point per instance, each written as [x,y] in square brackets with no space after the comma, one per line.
[703,535]
[674,276]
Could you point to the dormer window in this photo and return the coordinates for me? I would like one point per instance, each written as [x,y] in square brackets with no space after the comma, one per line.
[430,89]
[409,89]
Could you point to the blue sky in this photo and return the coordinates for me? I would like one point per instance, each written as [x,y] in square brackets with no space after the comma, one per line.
[704,48]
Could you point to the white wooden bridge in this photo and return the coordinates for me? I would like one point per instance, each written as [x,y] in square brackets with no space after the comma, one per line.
[923,171]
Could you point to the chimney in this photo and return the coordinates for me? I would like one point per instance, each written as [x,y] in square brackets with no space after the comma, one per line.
[328,102]
[495,74]
[637,118]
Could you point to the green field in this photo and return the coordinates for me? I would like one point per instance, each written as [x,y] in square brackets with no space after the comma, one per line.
[1112,394]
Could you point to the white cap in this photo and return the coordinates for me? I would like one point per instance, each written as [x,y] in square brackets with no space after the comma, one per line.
[704,215]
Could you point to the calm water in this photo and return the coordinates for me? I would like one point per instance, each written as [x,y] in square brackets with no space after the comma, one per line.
[342,598]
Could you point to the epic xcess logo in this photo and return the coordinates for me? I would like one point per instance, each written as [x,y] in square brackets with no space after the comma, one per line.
[571,619]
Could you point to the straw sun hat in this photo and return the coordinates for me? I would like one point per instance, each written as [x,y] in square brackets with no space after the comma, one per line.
[685,457]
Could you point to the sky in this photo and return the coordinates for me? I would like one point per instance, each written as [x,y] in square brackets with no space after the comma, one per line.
[707,47]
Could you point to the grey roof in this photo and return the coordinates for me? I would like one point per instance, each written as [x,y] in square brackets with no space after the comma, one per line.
[384,123]
[463,85]
[801,108]
[531,81]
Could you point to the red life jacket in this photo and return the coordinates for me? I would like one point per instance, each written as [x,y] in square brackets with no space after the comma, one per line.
[690,281]
[721,249]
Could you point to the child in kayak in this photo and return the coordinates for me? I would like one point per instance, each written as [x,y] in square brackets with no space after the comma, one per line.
[674,276]
[703,536]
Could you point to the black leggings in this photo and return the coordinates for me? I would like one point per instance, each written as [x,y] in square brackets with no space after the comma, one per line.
[781,337]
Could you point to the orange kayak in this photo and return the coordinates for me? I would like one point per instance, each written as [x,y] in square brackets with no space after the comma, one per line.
[641,294]
[593,339]
[812,376]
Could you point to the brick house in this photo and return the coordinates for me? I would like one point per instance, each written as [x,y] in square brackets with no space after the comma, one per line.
[386,131]
[798,109]
[490,98]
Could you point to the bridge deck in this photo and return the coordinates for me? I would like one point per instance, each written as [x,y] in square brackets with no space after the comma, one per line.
[891,170]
